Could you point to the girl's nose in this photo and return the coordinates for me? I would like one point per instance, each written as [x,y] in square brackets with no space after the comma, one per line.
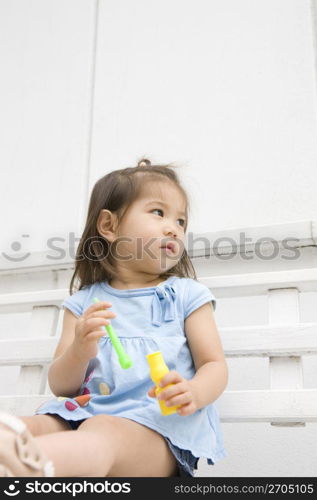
[170,232]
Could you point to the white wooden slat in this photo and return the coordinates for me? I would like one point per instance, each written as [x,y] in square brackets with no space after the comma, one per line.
[30,380]
[22,405]
[233,285]
[44,320]
[238,285]
[31,351]
[286,372]
[43,323]
[18,302]
[258,340]
[229,241]
[233,406]
[268,405]
[267,340]
[47,389]
[38,261]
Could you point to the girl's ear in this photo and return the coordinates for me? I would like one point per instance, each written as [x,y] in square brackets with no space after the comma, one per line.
[107,224]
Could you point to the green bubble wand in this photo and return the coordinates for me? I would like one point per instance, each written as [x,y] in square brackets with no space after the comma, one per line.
[124,359]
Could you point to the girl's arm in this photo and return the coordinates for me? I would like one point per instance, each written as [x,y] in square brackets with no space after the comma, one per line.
[211,377]
[67,371]
[78,344]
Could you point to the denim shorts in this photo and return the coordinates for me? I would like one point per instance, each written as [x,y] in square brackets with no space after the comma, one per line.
[186,461]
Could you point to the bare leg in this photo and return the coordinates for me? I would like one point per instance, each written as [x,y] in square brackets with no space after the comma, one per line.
[19,453]
[108,446]
[44,424]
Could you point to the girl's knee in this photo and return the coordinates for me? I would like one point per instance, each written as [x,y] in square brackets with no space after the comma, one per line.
[99,422]
[106,426]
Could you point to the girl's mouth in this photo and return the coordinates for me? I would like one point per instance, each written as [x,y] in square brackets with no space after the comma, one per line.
[169,248]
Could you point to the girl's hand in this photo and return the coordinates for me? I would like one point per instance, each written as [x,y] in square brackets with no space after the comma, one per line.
[180,394]
[88,330]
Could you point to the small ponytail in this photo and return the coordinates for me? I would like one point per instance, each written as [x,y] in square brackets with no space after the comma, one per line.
[144,163]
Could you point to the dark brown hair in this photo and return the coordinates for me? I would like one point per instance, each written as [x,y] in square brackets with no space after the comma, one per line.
[116,192]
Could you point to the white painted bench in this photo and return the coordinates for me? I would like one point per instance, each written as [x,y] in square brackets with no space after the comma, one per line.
[284,340]
[286,401]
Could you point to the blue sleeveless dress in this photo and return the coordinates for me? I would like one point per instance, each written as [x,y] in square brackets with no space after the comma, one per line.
[148,320]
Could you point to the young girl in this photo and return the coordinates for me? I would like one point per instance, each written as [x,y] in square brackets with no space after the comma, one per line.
[105,420]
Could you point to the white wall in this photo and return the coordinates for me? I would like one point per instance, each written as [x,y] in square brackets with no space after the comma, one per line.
[225,88]
[46,53]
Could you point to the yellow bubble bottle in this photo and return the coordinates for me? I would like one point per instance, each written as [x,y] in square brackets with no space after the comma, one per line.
[158,369]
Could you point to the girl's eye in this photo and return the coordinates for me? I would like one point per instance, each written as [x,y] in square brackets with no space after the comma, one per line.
[157,209]
[160,210]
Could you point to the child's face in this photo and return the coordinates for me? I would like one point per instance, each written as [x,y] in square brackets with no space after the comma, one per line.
[154,220]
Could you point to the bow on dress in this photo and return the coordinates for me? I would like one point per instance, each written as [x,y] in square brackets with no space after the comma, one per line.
[163,304]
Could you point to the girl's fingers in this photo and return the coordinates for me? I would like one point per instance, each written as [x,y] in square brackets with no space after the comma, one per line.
[96,335]
[171,377]
[93,322]
[172,391]
[151,392]
[186,409]
[180,400]
[96,307]
[109,314]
